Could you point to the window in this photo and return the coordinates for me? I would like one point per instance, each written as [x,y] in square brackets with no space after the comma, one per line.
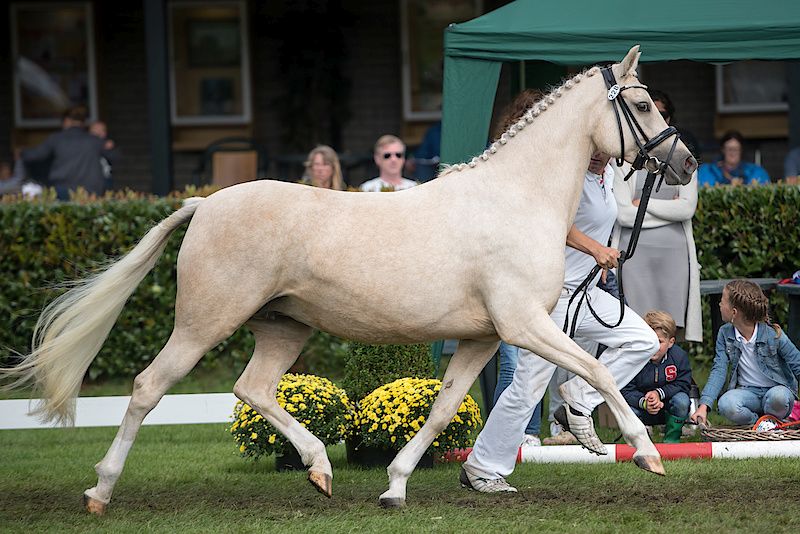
[209,63]
[423,23]
[53,52]
[752,86]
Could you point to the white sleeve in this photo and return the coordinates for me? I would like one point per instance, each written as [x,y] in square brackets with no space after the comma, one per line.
[679,209]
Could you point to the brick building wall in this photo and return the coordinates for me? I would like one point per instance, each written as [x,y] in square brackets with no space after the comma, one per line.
[122,88]
[6,92]
[373,66]
[691,86]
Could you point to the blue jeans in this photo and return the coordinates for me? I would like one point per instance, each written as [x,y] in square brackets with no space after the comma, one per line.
[744,405]
[509,355]
[677,406]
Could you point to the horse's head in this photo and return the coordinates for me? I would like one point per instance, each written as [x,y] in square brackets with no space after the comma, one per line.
[631,127]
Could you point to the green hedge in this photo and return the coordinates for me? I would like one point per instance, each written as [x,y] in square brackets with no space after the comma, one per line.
[744,231]
[44,244]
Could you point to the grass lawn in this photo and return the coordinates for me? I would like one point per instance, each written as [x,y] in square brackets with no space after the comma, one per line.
[190,479]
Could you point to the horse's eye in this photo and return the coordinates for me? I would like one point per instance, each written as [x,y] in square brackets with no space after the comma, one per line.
[644,107]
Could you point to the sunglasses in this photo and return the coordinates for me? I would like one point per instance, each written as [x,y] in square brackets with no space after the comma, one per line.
[398,155]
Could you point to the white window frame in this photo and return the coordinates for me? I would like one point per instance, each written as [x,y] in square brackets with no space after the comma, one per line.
[725,107]
[408,113]
[21,122]
[209,120]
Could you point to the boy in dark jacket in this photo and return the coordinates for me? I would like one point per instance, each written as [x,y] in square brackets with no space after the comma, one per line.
[660,392]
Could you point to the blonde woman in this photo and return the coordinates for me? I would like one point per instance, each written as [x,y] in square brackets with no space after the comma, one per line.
[323,169]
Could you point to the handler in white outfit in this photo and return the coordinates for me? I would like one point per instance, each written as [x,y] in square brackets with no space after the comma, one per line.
[631,344]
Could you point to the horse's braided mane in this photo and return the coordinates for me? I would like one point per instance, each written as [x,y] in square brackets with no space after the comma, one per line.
[523,120]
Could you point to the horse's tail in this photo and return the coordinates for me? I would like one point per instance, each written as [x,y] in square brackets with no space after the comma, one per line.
[73,327]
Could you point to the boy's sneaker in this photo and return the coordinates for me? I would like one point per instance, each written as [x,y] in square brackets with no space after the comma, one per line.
[485,485]
[562,438]
[531,440]
[555,429]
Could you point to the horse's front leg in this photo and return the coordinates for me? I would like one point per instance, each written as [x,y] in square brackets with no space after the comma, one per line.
[548,341]
[464,367]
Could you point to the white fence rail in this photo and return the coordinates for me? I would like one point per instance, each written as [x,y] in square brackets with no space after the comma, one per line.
[108,411]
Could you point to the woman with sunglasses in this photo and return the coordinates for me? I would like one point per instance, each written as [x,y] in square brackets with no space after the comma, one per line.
[390,157]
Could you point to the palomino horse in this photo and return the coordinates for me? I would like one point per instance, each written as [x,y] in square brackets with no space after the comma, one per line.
[263,253]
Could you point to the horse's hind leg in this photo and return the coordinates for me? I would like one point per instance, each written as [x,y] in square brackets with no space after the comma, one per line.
[463,369]
[278,343]
[175,360]
[548,341]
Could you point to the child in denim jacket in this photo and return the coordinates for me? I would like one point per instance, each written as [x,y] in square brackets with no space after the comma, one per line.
[660,392]
[765,365]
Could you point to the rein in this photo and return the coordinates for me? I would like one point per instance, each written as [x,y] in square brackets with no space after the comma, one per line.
[655,168]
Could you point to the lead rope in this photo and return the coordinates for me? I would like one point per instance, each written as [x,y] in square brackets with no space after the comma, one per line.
[655,169]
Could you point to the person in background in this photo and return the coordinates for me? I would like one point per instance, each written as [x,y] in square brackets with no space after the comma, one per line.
[100,129]
[425,161]
[659,394]
[10,182]
[75,155]
[664,274]
[764,364]
[666,108]
[791,166]
[323,169]
[509,354]
[390,157]
[730,169]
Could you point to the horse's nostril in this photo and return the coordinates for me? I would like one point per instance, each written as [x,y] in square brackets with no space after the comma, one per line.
[690,164]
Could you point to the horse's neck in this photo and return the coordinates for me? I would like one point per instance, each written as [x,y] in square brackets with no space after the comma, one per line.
[547,160]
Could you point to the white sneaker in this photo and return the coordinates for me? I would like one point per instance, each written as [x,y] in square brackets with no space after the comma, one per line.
[485,485]
[555,429]
[531,440]
[581,426]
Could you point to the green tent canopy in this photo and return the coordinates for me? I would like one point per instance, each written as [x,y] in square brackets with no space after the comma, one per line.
[581,32]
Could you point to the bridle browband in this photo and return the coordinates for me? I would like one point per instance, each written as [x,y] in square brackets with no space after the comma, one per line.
[655,168]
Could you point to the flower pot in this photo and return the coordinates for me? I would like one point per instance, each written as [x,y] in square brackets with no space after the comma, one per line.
[372,456]
[289,460]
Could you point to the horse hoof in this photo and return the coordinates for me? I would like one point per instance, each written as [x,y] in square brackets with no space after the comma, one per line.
[321,481]
[650,463]
[392,502]
[93,506]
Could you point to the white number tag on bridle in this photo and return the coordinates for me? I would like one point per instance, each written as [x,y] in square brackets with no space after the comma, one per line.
[613,92]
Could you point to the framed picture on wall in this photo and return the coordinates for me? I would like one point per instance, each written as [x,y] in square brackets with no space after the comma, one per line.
[422,28]
[214,43]
[209,63]
[752,86]
[52,47]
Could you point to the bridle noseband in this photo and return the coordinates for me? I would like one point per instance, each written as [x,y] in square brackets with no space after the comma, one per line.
[655,168]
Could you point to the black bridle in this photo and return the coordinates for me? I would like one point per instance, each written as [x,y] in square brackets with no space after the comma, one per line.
[655,168]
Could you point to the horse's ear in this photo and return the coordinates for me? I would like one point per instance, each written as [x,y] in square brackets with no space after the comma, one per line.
[631,60]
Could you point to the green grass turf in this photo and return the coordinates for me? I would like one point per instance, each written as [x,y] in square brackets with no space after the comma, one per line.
[190,479]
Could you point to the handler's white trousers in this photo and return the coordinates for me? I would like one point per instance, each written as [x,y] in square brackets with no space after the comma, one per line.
[630,346]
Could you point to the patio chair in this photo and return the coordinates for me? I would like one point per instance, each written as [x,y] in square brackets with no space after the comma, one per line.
[231,160]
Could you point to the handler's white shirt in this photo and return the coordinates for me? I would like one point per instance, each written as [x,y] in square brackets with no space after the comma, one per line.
[596,215]
[376,185]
